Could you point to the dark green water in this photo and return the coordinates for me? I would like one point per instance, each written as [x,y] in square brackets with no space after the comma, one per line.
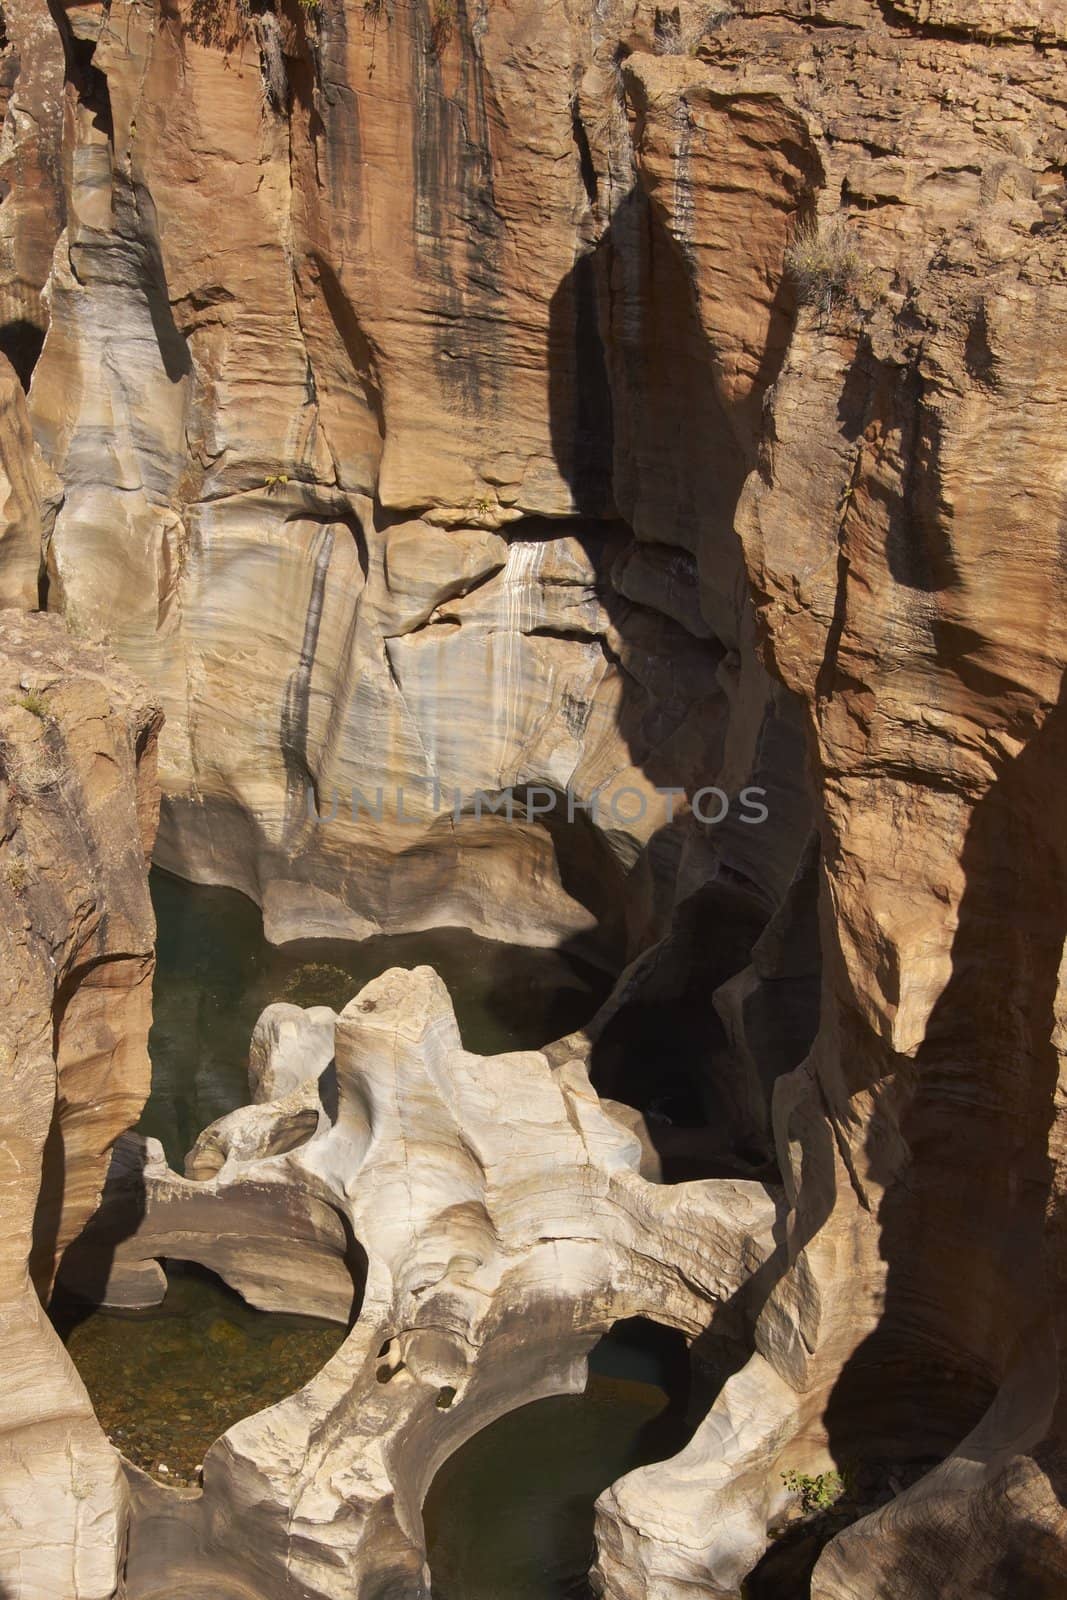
[167,1383]
[215,973]
[510,1515]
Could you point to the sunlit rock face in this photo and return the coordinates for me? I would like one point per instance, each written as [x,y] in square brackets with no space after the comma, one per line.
[78,802]
[355,479]
[432,406]
[496,1224]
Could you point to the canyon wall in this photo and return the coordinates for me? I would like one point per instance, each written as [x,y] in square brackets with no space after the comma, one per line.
[494,395]
[341,477]
[901,533]
[78,801]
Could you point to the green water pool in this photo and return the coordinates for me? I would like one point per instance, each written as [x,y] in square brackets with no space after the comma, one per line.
[166,1383]
[216,972]
[510,1515]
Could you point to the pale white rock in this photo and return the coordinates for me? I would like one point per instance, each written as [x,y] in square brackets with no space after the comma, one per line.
[502,1225]
[290,1044]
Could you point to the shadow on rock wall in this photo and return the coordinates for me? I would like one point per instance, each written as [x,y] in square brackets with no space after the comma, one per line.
[976,1112]
[641,432]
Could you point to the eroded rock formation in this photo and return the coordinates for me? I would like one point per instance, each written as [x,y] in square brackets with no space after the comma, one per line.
[361,524]
[505,1226]
[78,801]
[434,401]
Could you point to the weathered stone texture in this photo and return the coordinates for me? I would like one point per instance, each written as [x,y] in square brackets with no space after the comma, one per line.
[431,401]
[78,804]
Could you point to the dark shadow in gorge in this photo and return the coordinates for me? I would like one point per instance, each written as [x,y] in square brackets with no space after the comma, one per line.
[22,341]
[88,1261]
[639,427]
[975,1111]
[665,1051]
[48,1210]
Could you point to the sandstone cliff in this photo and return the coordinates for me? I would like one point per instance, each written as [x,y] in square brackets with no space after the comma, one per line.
[78,801]
[494,394]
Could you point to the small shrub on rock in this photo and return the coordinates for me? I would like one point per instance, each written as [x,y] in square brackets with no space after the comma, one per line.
[825,263]
[35,703]
[817,1492]
[442,22]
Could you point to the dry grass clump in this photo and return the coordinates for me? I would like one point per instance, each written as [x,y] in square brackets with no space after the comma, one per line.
[825,263]
[442,23]
[34,703]
[17,874]
[675,35]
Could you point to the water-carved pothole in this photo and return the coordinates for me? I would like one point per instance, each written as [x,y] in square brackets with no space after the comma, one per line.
[511,1513]
[166,1383]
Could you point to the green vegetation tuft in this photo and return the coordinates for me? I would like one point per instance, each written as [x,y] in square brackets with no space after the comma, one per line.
[817,1492]
[316,983]
[34,703]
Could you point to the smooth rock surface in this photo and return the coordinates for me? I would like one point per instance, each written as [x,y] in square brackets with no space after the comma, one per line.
[490,441]
[502,1225]
[341,483]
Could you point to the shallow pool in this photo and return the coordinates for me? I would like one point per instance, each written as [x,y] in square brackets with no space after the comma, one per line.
[166,1383]
[510,1515]
[216,972]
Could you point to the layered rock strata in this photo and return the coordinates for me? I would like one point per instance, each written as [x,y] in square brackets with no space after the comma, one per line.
[360,526]
[78,807]
[489,446]
[29,495]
